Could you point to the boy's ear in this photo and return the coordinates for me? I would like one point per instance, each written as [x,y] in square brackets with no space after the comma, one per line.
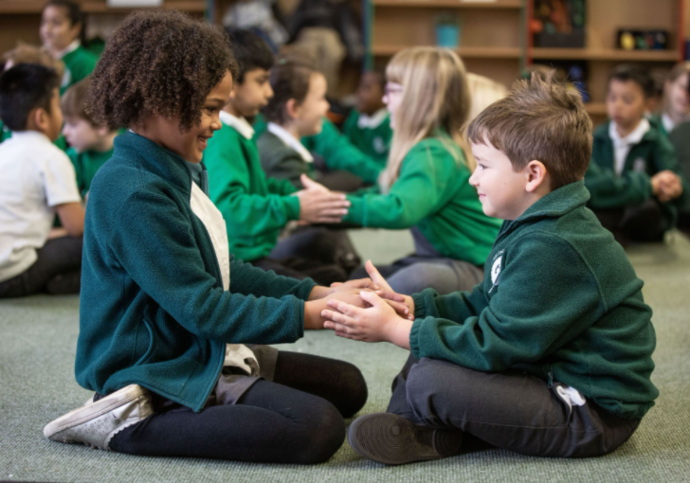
[38,120]
[292,108]
[536,175]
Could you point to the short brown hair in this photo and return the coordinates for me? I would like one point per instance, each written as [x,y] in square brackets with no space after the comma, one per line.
[158,63]
[539,120]
[289,79]
[73,102]
[28,54]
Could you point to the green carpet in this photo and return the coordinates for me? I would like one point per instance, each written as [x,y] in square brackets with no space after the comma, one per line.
[37,345]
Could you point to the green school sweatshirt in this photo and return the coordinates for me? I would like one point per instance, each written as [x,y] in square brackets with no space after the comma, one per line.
[335,149]
[374,142]
[255,207]
[153,310]
[654,153]
[79,64]
[85,166]
[433,194]
[560,301]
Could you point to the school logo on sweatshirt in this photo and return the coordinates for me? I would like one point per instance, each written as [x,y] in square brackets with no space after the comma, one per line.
[379,144]
[496,269]
[640,165]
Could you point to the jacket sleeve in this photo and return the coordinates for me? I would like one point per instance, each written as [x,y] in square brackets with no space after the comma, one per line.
[287,165]
[247,214]
[158,250]
[417,193]
[608,190]
[340,154]
[280,187]
[532,313]
[456,306]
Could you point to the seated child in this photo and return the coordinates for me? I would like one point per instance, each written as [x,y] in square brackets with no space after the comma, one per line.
[296,110]
[257,208]
[28,54]
[63,34]
[37,183]
[675,103]
[680,138]
[551,354]
[91,145]
[368,125]
[165,312]
[633,178]
[337,152]
[425,185]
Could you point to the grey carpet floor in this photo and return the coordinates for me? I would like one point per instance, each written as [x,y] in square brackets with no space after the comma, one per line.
[37,345]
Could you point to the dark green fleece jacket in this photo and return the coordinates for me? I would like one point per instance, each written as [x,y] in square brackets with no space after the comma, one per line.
[560,300]
[654,153]
[153,310]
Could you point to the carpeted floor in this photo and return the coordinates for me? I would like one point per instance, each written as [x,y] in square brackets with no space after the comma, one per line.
[37,345]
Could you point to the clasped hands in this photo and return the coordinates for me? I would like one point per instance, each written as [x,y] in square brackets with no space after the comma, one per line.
[666,185]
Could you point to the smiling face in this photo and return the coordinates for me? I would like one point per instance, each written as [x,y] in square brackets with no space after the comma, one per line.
[501,189]
[308,115]
[56,30]
[190,145]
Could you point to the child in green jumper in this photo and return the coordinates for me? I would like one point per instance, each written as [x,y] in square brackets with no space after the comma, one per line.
[634,180]
[165,313]
[63,34]
[368,125]
[425,184]
[257,208]
[90,145]
[551,354]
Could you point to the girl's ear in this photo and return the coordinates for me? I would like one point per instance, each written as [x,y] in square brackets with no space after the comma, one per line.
[536,176]
[292,108]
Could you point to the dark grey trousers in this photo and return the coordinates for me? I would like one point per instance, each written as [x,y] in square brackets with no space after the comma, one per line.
[513,411]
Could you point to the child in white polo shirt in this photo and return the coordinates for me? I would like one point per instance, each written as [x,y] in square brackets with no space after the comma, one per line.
[38,181]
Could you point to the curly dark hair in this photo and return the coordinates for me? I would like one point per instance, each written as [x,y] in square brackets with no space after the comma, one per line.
[158,63]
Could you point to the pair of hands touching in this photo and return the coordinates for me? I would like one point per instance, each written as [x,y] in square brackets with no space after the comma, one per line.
[666,185]
[366,309]
[318,204]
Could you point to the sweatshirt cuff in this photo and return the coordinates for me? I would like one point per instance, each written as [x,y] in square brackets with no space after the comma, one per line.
[292,207]
[356,212]
[419,305]
[414,337]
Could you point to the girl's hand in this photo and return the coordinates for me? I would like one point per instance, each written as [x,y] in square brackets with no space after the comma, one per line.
[385,290]
[378,323]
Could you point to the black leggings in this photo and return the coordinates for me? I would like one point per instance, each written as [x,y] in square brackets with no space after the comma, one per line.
[57,270]
[296,419]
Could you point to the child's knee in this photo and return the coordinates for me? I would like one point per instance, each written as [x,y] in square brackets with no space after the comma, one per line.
[323,435]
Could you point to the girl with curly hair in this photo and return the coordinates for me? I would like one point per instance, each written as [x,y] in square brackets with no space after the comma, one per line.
[162,322]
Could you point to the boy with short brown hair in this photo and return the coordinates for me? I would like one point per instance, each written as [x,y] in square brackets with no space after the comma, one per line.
[551,354]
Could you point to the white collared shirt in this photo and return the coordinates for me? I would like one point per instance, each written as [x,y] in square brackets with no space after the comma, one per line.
[373,121]
[622,146]
[668,123]
[68,50]
[239,124]
[291,141]
[36,177]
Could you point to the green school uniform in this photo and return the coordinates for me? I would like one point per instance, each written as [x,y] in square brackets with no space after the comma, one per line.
[654,153]
[153,310]
[559,300]
[372,141]
[255,208]
[79,64]
[335,149]
[680,138]
[433,194]
[85,166]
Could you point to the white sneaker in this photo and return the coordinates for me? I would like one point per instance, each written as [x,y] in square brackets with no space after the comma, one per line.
[96,423]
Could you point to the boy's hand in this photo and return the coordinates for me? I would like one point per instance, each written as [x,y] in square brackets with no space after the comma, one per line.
[666,185]
[385,290]
[319,205]
[378,323]
[314,308]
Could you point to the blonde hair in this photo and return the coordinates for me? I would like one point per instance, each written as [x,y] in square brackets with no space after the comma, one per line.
[28,54]
[435,96]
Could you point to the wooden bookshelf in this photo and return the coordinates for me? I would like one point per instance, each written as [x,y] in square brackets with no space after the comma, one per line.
[452,4]
[616,55]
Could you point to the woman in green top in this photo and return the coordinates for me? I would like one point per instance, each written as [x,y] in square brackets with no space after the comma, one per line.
[425,184]
[62,33]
